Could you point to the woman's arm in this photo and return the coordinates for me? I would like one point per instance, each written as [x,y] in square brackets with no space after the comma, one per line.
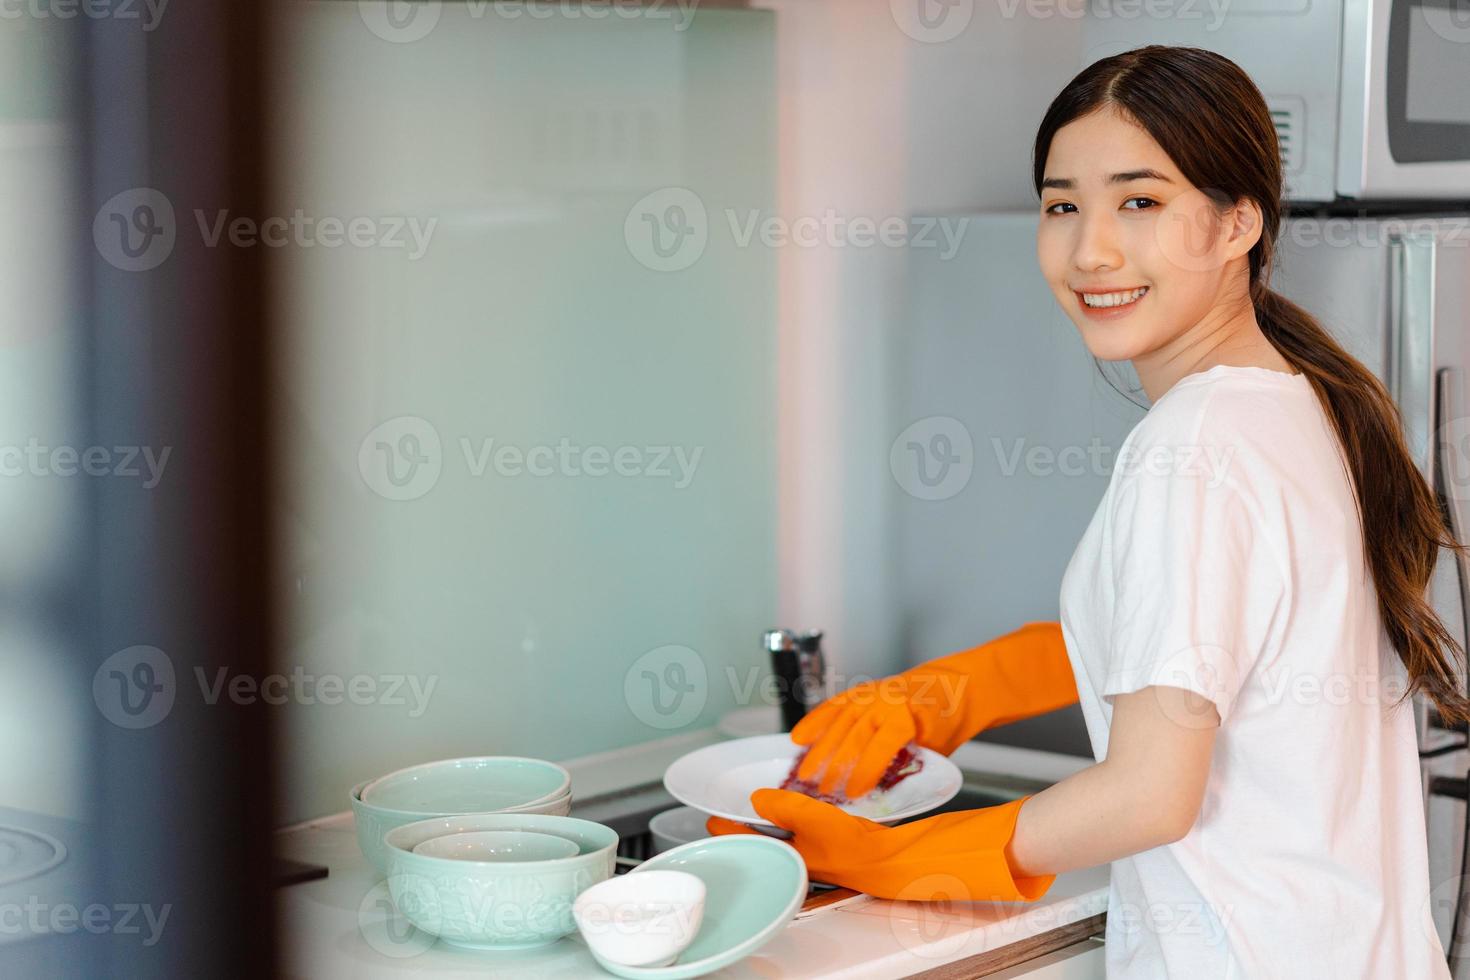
[1147,792]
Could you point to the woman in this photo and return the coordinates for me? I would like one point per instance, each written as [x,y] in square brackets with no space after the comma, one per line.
[1230,618]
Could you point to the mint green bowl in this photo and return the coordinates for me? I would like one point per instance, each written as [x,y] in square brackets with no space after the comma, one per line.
[485,784]
[496,904]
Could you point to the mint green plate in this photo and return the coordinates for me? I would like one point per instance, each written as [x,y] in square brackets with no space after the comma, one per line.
[754,888]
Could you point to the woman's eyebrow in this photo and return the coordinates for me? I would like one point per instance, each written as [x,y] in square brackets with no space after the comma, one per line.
[1067,183]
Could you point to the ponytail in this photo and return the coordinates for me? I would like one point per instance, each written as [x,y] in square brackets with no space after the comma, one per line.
[1403,527]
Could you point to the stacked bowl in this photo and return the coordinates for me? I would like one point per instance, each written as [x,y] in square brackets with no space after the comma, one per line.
[497,880]
[453,787]
[481,851]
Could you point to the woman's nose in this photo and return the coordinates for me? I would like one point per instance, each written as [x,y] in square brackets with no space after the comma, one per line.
[1096,248]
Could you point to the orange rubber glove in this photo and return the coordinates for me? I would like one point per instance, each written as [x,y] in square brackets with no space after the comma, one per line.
[956,856]
[940,705]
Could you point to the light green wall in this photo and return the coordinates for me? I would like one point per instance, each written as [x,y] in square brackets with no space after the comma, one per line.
[529,319]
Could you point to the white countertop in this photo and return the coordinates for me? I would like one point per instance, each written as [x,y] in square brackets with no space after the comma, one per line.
[338,926]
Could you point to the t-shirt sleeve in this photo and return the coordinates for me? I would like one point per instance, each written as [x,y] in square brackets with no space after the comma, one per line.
[1197,584]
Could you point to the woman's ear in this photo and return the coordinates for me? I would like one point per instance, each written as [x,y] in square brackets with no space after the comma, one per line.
[1246,225]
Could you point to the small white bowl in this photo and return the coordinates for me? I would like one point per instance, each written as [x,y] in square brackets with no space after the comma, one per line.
[498,845]
[641,920]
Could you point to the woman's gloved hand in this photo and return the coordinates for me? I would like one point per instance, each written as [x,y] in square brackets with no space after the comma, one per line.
[941,704]
[956,856]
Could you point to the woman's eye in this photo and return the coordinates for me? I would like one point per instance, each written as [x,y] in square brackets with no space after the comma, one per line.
[1147,202]
[1051,209]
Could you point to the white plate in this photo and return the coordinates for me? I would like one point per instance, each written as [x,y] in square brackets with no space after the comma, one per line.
[719,779]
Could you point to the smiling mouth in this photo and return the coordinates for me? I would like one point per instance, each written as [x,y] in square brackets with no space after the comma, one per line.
[1111,300]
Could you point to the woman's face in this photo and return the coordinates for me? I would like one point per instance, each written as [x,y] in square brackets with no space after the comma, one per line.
[1135,253]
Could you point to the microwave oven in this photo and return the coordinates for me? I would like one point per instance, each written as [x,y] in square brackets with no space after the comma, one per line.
[1371,98]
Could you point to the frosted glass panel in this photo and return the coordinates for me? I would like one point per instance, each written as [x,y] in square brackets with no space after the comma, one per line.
[525,444]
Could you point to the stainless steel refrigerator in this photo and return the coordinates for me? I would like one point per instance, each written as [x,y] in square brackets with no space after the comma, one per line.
[987,355]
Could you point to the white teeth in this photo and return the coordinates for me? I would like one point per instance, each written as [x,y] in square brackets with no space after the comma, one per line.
[1113,299]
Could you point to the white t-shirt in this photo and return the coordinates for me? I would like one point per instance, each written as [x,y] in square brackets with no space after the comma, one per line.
[1226,558]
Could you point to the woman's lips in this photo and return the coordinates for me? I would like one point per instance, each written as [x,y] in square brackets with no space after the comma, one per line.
[1111,312]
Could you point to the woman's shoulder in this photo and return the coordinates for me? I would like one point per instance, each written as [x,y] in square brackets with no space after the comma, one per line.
[1239,427]
[1230,405]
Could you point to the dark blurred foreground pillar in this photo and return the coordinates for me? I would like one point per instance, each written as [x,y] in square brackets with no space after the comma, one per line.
[170,109]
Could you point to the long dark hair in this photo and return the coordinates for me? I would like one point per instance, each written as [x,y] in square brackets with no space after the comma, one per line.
[1212,121]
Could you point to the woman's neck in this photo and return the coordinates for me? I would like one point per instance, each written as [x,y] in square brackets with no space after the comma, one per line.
[1227,335]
